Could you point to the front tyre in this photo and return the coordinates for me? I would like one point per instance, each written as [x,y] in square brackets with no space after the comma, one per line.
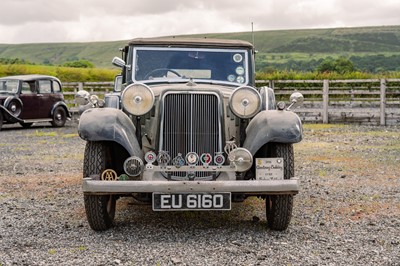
[100,209]
[15,107]
[279,207]
[59,117]
[279,211]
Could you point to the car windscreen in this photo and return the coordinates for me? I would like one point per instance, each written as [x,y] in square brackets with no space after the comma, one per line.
[158,64]
[9,86]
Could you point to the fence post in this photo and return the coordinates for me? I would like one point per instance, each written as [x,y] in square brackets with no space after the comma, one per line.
[272,84]
[383,102]
[325,101]
[80,86]
[75,91]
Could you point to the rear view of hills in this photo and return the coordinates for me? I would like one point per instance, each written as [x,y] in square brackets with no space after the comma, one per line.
[371,49]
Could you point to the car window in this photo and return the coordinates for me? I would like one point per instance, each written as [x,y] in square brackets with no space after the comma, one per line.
[225,65]
[28,88]
[9,86]
[56,87]
[3,86]
[44,86]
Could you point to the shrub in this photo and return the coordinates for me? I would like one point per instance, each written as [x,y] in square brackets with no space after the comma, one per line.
[314,75]
[79,64]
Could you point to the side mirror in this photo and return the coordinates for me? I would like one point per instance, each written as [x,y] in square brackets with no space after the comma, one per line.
[82,97]
[296,100]
[118,62]
[118,83]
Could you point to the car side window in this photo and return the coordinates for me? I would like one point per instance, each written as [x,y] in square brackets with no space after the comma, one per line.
[44,86]
[26,88]
[56,87]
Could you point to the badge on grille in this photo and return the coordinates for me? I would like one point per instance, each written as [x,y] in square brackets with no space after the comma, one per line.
[192,158]
[206,159]
[150,157]
[109,175]
[229,147]
[219,158]
[163,158]
[178,161]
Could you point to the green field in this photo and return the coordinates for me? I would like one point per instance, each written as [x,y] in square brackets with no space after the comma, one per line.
[65,74]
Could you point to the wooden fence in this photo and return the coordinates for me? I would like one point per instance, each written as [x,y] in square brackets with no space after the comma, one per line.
[364,101]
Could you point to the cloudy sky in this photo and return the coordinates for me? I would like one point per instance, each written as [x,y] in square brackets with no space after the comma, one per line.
[34,21]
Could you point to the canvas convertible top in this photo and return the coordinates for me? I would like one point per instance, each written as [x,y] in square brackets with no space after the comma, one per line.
[204,42]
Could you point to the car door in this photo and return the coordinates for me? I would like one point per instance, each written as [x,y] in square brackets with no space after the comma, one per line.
[30,101]
[46,99]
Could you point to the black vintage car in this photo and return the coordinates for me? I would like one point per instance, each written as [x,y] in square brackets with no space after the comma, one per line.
[186,129]
[27,99]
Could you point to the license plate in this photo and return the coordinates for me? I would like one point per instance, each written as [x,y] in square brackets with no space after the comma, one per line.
[191,201]
[269,168]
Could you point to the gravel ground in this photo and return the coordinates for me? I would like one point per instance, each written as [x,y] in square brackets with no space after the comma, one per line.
[347,213]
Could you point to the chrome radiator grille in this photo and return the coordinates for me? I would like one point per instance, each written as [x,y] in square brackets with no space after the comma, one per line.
[191,122]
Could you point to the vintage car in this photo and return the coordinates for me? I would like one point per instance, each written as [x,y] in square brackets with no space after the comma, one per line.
[27,99]
[186,129]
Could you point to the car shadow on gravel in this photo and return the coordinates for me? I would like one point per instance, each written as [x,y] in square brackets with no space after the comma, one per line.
[246,216]
[44,125]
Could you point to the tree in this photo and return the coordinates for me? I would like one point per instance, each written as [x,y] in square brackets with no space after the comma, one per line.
[327,65]
[340,65]
[47,62]
[344,65]
[14,61]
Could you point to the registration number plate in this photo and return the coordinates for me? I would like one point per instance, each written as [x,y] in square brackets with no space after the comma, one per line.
[191,201]
[269,168]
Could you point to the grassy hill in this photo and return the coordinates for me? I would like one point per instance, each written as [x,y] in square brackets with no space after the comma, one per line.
[336,40]
[371,49]
[276,48]
[99,53]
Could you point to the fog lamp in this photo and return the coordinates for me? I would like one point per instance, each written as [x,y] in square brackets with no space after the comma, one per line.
[133,166]
[241,158]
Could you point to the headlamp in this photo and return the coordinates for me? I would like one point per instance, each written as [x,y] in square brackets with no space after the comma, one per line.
[137,99]
[245,102]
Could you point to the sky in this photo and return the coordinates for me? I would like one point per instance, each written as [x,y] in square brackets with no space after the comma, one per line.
[45,21]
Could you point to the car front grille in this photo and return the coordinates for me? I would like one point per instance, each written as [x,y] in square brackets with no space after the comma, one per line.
[190,122]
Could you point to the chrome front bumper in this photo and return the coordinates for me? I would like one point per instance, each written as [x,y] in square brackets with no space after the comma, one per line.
[255,187]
